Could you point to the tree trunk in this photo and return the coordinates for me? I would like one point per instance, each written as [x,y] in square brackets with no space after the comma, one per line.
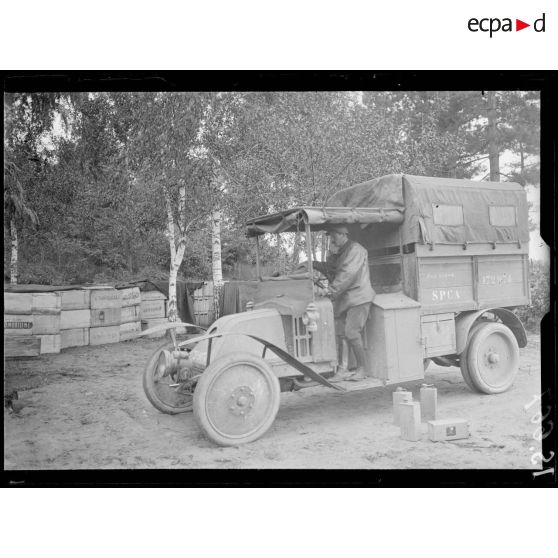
[493,151]
[216,264]
[130,256]
[172,310]
[324,247]
[216,249]
[312,240]
[15,245]
[296,249]
[177,253]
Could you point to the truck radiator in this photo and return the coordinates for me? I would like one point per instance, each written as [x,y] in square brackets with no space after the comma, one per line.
[298,339]
[302,339]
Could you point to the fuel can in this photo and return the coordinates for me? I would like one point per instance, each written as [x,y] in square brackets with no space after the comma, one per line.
[448,429]
[410,421]
[400,395]
[428,402]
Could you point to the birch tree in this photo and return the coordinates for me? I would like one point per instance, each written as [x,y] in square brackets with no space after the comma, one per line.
[26,118]
[17,212]
[166,152]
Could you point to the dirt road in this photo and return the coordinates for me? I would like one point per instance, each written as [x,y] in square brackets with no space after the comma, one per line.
[85,408]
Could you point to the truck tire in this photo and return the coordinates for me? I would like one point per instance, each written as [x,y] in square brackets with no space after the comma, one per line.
[492,358]
[155,387]
[236,399]
[463,361]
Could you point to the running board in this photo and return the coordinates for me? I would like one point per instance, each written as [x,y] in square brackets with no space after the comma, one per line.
[360,385]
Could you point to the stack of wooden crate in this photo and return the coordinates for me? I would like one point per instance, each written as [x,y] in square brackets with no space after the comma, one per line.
[45,322]
[105,316]
[31,323]
[153,311]
[130,315]
[75,318]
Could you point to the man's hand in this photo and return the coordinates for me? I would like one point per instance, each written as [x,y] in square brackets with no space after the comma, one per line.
[325,292]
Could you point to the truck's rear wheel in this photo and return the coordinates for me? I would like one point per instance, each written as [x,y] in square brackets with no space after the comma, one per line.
[463,361]
[236,399]
[159,386]
[491,359]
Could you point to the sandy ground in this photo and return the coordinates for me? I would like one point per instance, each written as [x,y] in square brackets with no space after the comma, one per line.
[85,408]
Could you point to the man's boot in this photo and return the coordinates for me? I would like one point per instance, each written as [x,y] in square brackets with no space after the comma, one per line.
[342,372]
[358,351]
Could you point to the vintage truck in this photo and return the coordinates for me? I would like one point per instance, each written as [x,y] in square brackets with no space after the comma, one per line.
[448,260]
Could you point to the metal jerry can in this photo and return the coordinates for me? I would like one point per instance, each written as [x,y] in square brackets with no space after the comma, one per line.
[410,421]
[428,402]
[400,395]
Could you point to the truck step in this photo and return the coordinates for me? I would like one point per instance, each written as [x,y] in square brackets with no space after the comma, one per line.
[361,385]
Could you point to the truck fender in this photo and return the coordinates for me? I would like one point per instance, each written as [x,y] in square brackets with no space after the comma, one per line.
[465,321]
[283,355]
[165,327]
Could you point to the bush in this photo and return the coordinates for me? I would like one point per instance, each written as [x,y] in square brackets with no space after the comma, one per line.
[539,284]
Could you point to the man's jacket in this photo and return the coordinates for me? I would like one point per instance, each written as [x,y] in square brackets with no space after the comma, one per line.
[348,276]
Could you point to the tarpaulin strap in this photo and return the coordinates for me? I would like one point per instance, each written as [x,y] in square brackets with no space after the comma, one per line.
[283,355]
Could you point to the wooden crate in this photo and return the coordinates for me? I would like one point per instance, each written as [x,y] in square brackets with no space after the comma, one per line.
[75,299]
[46,324]
[102,298]
[75,319]
[103,335]
[146,324]
[155,308]
[129,296]
[152,295]
[45,303]
[129,330]
[130,314]
[50,343]
[22,347]
[18,325]
[393,330]
[101,317]
[448,429]
[18,303]
[77,337]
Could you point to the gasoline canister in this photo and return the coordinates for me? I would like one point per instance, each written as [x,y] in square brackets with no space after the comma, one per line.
[410,421]
[400,395]
[448,429]
[428,402]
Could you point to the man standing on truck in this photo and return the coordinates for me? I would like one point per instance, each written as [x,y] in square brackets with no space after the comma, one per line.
[349,287]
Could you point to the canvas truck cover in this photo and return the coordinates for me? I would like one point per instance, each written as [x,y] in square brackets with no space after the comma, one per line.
[442,210]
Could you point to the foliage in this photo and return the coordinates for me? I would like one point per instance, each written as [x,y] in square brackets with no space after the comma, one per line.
[539,284]
[87,174]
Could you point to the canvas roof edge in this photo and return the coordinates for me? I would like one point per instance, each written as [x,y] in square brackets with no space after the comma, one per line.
[320,218]
[433,181]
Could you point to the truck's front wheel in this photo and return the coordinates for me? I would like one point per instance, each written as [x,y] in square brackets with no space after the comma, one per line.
[164,389]
[236,399]
[491,359]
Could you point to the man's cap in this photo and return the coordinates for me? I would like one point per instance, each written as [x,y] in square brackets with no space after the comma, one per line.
[339,229]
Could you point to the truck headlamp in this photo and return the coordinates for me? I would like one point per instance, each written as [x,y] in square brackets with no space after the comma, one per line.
[310,317]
